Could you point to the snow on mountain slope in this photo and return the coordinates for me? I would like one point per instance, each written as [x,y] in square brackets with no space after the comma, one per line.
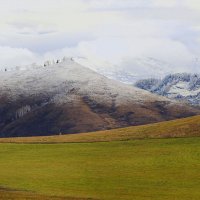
[128,71]
[107,69]
[67,97]
[61,77]
[146,67]
[185,87]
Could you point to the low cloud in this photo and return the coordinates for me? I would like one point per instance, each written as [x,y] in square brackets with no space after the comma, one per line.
[11,57]
[115,30]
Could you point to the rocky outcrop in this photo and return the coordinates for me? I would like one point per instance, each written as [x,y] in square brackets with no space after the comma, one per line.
[22,111]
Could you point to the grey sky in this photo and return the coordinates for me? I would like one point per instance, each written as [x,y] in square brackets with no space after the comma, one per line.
[113,30]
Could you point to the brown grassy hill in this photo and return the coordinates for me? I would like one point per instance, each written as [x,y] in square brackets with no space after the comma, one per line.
[187,127]
[68,98]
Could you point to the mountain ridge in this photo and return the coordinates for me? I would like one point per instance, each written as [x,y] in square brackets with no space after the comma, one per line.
[67,97]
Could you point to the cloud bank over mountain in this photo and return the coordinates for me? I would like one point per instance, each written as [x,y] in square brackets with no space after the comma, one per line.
[113,30]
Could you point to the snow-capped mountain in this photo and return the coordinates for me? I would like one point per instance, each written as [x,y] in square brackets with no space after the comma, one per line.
[107,69]
[128,71]
[147,67]
[64,96]
[185,87]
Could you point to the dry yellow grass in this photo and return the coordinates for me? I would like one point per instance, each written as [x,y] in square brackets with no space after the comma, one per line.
[187,127]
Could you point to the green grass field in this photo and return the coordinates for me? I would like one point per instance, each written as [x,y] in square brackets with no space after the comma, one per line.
[149,169]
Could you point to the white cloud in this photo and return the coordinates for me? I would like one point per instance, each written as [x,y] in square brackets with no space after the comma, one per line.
[163,3]
[193,4]
[109,29]
[11,57]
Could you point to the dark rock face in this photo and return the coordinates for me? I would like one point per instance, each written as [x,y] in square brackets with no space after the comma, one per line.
[148,84]
[68,98]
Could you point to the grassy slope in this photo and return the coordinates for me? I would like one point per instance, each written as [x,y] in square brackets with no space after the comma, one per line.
[140,169]
[123,170]
[187,127]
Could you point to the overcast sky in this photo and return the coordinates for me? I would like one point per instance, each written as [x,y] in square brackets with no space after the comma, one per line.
[113,30]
